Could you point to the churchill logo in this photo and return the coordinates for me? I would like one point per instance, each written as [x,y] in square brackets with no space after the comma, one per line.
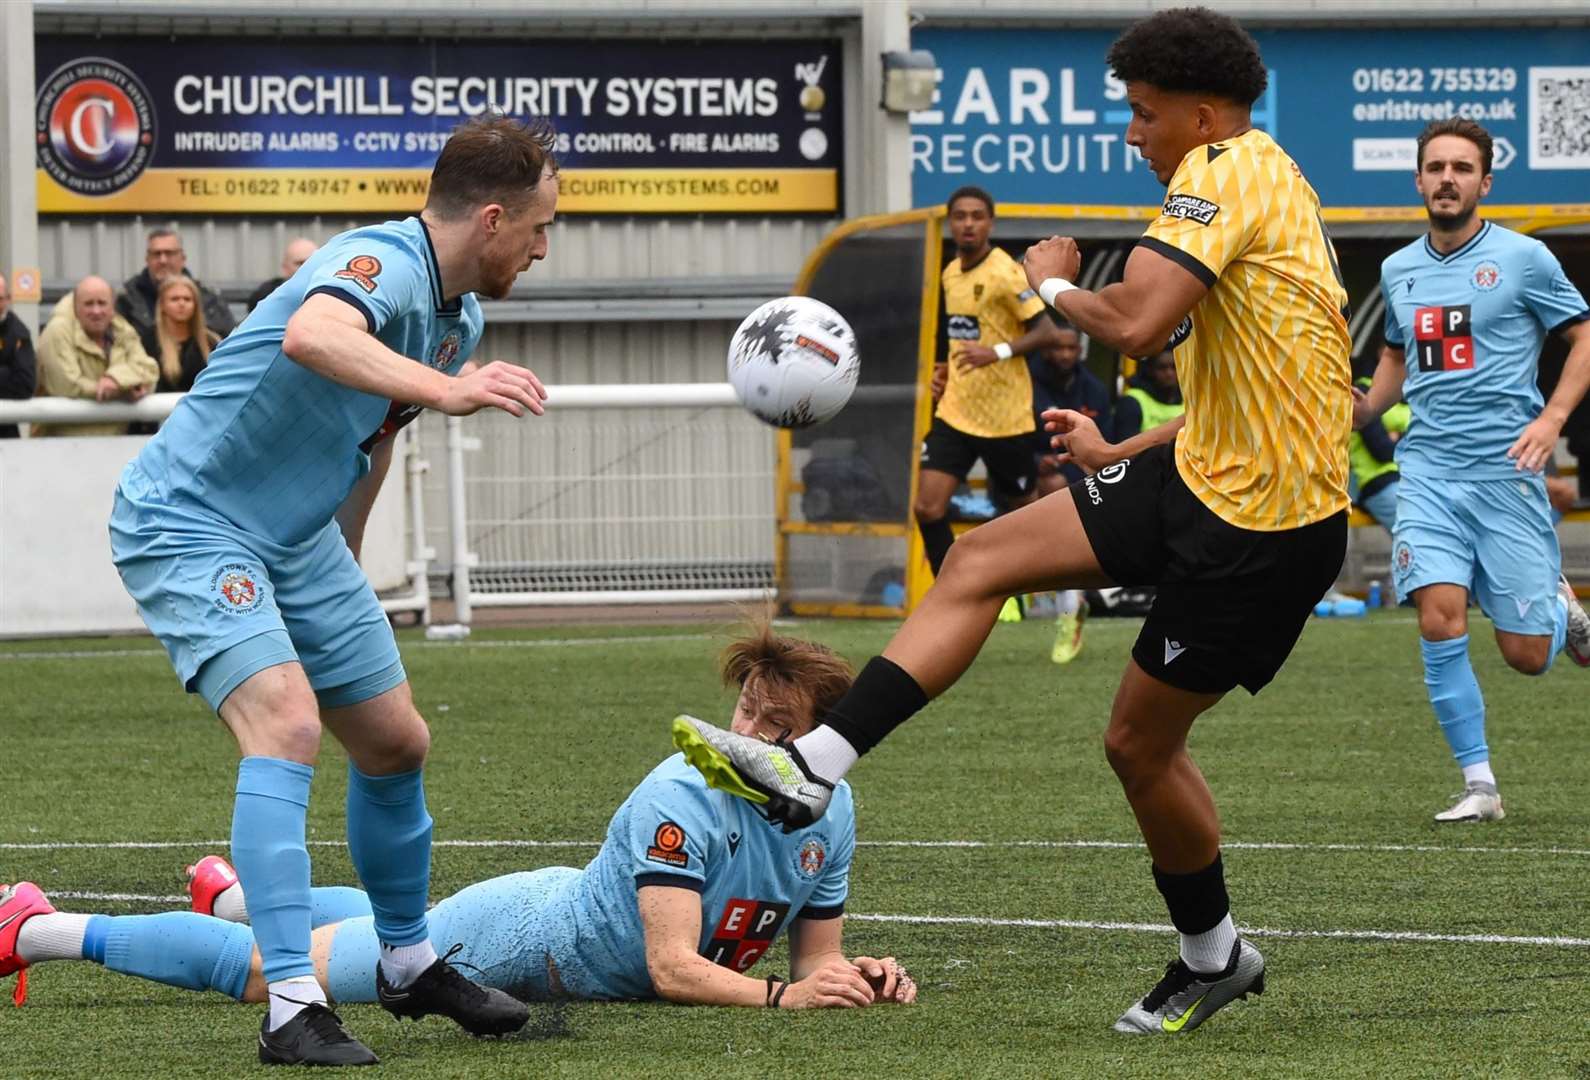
[94,125]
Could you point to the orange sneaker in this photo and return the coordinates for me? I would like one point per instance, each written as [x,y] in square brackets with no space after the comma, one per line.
[18,904]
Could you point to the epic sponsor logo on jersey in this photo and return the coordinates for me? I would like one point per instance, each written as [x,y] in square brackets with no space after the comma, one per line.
[1444,337]
[963,328]
[668,846]
[362,270]
[1191,208]
[236,589]
[94,124]
[744,932]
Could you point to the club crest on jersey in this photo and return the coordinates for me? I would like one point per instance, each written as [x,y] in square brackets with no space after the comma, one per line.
[1191,208]
[668,846]
[1487,275]
[235,588]
[447,351]
[810,858]
[977,291]
[362,270]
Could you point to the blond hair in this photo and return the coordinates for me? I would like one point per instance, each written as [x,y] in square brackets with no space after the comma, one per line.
[170,348]
[787,666]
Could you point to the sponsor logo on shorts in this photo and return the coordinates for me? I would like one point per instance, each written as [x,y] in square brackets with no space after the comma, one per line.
[1110,474]
[1191,208]
[811,856]
[1487,275]
[668,846]
[236,588]
[362,270]
[1523,607]
[1173,649]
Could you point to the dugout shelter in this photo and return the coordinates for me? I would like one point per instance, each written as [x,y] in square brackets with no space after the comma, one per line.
[847,540]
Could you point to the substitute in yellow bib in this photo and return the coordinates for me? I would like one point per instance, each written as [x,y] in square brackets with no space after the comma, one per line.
[989,318]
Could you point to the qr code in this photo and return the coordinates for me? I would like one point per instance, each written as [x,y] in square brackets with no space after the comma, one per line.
[1559,118]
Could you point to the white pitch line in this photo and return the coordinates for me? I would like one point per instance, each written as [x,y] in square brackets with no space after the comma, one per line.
[489,643]
[1416,936]
[1410,936]
[1074,845]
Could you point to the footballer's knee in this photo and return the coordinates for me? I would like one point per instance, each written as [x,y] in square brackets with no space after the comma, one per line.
[1444,617]
[1528,654]
[405,749]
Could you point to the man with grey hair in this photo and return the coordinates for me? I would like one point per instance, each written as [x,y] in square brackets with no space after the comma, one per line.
[89,352]
[18,370]
[295,255]
[164,258]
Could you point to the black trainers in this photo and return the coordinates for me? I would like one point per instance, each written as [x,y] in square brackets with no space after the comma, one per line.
[314,1037]
[442,991]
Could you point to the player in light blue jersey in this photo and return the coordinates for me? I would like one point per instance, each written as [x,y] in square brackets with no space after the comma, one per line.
[689,890]
[1467,307]
[237,531]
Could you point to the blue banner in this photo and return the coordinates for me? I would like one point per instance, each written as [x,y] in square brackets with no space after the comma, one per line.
[144,124]
[1035,116]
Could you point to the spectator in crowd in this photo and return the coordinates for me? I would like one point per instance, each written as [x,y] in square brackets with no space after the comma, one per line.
[180,341]
[1060,380]
[1152,398]
[1371,451]
[164,258]
[297,253]
[18,370]
[87,351]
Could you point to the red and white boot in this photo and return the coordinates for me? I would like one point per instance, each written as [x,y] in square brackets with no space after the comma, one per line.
[18,904]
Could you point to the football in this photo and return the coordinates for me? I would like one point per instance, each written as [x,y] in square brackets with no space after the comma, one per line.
[793,362]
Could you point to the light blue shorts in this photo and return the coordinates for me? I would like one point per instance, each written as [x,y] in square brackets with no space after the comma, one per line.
[205,588]
[514,929]
[1493,537]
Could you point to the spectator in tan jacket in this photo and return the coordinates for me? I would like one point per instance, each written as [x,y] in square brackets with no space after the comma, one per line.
[89,352]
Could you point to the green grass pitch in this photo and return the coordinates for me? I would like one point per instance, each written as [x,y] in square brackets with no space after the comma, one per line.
[1396,948]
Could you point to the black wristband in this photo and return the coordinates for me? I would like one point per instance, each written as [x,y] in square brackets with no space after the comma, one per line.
[772,1002]
[778,995]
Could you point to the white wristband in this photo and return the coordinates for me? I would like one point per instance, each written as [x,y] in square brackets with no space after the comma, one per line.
[1053,287]
[1004,351]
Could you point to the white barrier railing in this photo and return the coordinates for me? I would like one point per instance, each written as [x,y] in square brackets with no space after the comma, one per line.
[421,556]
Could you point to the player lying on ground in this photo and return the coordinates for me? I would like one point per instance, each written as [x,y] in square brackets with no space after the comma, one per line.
[1239,517]
[1473,302]
[690,888]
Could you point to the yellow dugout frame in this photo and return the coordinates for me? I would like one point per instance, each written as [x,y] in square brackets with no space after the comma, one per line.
[1522,218]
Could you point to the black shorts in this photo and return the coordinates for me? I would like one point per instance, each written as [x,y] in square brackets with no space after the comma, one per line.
[1230,602]
[1012,470]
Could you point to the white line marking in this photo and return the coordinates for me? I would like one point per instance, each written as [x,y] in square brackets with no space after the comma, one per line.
[1251,931]
[1411,936]
[531,643]
[1075,845]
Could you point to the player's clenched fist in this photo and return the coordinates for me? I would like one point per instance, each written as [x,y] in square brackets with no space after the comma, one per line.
[496,385]
[1057,256]
[890,982]
[837,984]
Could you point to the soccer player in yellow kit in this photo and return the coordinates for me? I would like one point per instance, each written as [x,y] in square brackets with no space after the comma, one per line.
[990,317]
[1237,511]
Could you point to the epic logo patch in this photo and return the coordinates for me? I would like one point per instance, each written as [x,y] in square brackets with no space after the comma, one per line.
[1191,207]
[1445,338]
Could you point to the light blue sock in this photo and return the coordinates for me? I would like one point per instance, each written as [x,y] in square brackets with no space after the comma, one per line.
[178,948]
[271,861]
[336,903]
[389,839]
[1455,696]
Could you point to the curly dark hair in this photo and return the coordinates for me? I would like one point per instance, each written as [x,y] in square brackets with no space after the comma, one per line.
[1191,50]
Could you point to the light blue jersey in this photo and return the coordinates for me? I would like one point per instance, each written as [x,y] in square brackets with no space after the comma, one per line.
[1470,324]
[275,448]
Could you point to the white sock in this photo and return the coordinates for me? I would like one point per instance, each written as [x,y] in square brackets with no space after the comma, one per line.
[53,936]
[1479,773]
[1067,602]
[230,905]
[290,996]
[827,753]
[1210,951]
[402,964]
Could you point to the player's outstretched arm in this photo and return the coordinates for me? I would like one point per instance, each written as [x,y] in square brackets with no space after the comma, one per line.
[1385,389]
[1080,442]
[331,338]
[1539,440]
[671,920]
[1138,314]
